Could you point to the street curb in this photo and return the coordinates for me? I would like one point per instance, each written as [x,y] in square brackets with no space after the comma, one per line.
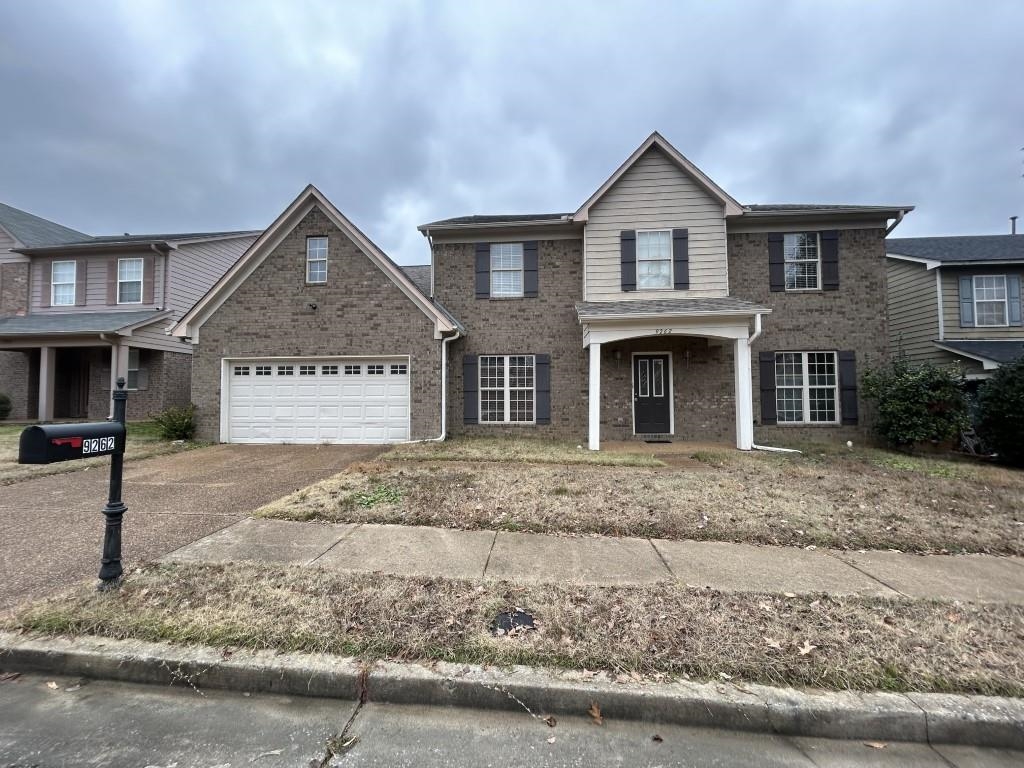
[984,721]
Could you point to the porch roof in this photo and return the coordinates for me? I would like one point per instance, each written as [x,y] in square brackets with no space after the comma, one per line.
[992,351]
[589,311]
[76,322]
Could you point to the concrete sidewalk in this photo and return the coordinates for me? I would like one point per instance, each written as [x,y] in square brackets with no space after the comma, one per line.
[416,551]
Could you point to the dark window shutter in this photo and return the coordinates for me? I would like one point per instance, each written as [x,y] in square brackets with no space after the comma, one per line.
[681,259]
[483,270]
[776,267]
[830,260]
[627,250]
[148,279]
[112,281]
[966,302]
[1013,299]
[542,384]
[470,388]
[81,281]
[45,275]
[848,387]
[766,373]
[530,269]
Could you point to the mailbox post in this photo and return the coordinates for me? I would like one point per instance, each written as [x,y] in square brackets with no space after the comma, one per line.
[110,567]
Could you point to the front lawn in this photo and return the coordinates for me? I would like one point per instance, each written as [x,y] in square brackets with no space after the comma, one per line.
[143,442]
[860,499]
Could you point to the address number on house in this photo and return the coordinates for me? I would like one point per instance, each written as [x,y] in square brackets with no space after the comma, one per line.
[98,445]
[662,331]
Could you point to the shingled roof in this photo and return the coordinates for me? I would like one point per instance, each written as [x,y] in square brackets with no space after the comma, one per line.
[32,231]
[959,249]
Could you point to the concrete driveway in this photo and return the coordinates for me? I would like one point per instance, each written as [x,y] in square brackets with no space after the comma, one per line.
[53,527]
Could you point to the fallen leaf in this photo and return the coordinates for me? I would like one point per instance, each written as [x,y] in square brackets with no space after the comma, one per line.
[657,738]
[588,674]
[806,648]
[550,720]
[551,740]
[725,676]
[52,686]
[595,713]
[771,642]
[789,594]
[876,744]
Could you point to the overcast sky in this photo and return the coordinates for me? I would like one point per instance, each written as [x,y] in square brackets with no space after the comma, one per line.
[174,116]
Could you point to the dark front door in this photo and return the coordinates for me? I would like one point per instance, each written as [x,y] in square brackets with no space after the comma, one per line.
[652,395]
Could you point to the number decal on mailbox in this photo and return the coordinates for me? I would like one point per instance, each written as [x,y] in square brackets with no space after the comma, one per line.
[97,445]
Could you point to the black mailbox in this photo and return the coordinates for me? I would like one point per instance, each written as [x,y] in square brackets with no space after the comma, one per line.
[50,443]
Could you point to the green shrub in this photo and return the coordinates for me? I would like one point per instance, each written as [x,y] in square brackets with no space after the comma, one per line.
[1001,413]
[177,423]
[916,403]
[5,406]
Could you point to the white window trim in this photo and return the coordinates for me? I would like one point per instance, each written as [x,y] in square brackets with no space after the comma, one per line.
[506,389]
[816,261]
[73,283]
[141,281]
[128,369]
[806,389]
[1006,302]
[522,277]
[671,260]
[310,261]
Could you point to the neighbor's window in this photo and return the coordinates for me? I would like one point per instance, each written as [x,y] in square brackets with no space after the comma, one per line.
[654,259]
[316,259]
[129,281]
[507,389]
[506,269]
[802,258]
[990,300]
[62,284]
[806,387]
[132,379]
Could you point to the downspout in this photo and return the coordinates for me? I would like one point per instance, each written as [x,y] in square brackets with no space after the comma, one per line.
[444,392]
[899,218]
[755,446]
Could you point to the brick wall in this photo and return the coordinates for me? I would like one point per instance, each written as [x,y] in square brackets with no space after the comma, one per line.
[851,318]
[359,312]
[14,381]
[14,288]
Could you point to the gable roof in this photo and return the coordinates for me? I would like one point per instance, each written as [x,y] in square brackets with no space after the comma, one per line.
[656,140]
[964,249]
[271,237]
[420,275]
[31,230]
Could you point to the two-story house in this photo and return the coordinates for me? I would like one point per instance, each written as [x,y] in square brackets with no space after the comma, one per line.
[659,309]
[78,312]
[956,300]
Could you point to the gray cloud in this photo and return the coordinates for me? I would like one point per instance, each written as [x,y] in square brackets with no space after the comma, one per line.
[176,116]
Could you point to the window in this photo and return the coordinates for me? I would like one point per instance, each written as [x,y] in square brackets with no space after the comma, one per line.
[240,370]
[507,389]
[990,300]
[129,281]
[285,370]
[131,381]
[654,259]
[353,370]
[316,259]
[329,370]
[806,387]
[307,370]
[262,370]
[506,269]
[399,369]
[62,284]
[802,259]
[375,370]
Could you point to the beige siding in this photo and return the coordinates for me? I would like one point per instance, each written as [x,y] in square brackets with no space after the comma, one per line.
[913,311]
[155,336]
[6,243]
[96,287]
[951,303]
[655,194]
[195,267]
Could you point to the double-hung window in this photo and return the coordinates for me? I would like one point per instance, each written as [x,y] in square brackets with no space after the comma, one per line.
[129,281]
[132,379]
[316,259]
[802,257]
[990,300]
[62,284]
[806,388]
[506,270]
[507,389]
[654,259]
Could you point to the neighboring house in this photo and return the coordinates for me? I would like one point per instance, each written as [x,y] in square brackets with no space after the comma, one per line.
[956,300]
[77,312]
[633,317]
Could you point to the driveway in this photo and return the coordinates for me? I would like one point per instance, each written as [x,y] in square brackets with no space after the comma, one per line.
[53,526]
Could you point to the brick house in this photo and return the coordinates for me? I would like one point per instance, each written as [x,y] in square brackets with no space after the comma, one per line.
[660,309]
[77,312]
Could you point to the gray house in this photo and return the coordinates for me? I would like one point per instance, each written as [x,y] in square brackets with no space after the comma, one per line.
[77,312]
[956,300]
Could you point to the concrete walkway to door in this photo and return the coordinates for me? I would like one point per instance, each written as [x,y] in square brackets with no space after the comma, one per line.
[441,552]
[53,529]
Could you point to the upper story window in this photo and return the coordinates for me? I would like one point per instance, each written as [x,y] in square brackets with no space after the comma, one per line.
[990,300]
[506,269]
[316,259]
[654,259]
[62,284]
[129,281]
[802,258]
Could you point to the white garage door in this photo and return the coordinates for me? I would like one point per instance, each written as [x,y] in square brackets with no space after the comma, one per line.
[318,400]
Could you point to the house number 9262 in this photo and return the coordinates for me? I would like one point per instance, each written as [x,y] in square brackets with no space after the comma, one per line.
[662,331]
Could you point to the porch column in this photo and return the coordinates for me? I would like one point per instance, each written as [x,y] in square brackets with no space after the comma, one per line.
[115,350]
[47,376]
[744,396]
[594,439]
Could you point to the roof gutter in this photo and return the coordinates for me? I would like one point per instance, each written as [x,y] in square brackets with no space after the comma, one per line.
[899,218]
[756,311]
[138,245]
[565,219]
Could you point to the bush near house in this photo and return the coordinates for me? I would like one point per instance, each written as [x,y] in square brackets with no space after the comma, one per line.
[917,403]
[177,423]
[1001,413]
[5,406]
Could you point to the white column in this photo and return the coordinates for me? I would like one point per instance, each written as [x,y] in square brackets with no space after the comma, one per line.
[744,396]
[594,440]
[47,376]
[114,357]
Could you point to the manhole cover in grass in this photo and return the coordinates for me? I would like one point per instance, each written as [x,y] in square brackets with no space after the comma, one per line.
[512,622]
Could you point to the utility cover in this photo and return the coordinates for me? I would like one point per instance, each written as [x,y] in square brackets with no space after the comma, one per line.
[512,622]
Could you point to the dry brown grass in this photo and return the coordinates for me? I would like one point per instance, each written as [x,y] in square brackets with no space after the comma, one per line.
[875,500]
[655,632]
[515,450]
